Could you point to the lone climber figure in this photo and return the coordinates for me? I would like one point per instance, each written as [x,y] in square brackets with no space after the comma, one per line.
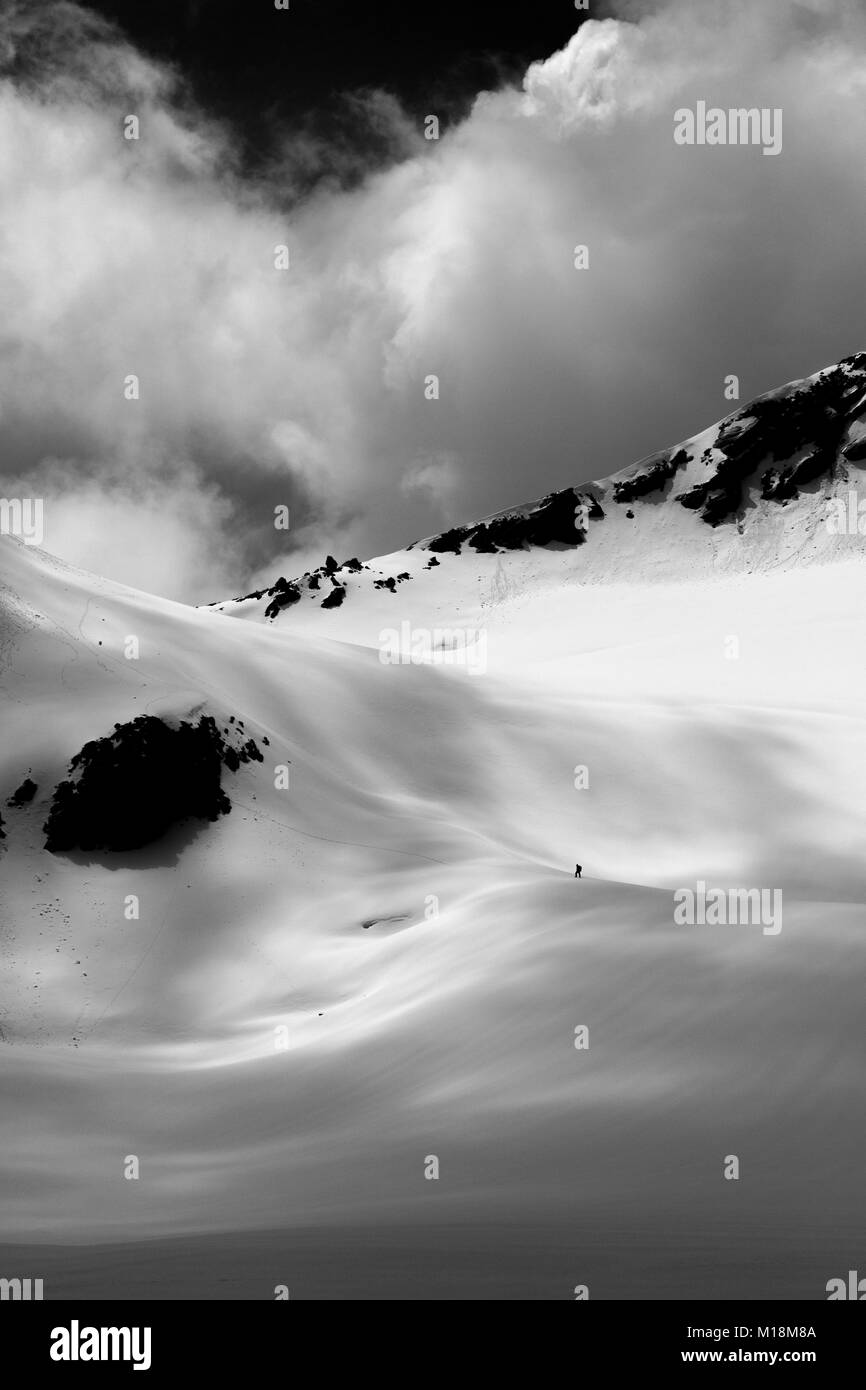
[577,870]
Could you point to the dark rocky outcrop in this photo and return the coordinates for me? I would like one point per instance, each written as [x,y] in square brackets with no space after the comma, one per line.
[775,428]
[653,476]
[128,789]
[24,794]
[283,596]
[287,592]
[450,540]
[392,581]
[553,521]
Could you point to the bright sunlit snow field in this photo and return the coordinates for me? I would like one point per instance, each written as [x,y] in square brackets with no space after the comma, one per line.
[283,1071]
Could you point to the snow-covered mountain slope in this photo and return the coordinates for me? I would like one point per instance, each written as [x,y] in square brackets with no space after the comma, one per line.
[768,488]
[388,958]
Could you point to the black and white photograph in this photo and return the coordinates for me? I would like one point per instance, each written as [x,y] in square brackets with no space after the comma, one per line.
[433,659]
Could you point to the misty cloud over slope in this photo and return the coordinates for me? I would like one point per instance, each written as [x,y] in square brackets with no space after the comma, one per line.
[306,387]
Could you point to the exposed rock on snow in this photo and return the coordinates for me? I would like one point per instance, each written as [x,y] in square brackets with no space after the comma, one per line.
[127,789]
[24,794]
[285,1069]
[747,470]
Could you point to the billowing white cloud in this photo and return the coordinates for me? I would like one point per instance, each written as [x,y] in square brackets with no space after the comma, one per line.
[306,386]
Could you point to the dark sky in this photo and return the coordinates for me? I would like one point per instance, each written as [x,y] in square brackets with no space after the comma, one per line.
[260,67]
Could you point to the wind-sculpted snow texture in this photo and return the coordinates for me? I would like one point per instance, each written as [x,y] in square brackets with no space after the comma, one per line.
[382,955]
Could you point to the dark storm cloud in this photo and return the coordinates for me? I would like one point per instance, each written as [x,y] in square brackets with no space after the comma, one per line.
[453,258]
